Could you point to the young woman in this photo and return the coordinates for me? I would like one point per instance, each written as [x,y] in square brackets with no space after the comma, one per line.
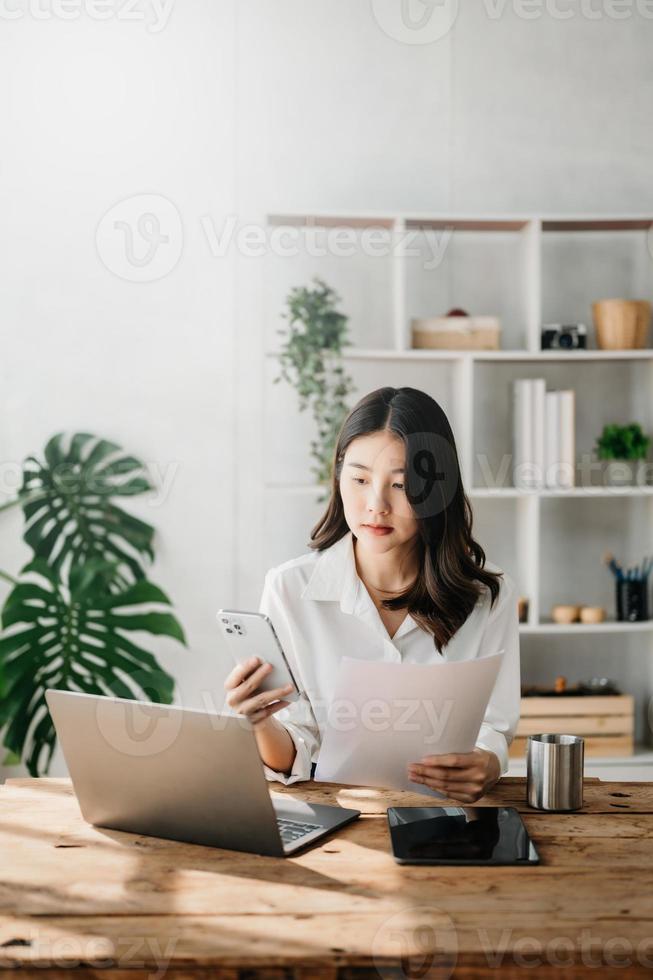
[395,575]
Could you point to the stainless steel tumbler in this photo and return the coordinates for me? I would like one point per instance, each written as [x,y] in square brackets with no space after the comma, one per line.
[554,772]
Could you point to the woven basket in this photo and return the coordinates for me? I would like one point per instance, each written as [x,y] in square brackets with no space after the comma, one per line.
[456,333]
[621,324]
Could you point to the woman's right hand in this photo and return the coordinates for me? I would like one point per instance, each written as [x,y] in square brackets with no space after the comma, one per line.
[242,684]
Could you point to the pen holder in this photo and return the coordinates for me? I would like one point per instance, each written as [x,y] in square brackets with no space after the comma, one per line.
[554,772]
[632,600]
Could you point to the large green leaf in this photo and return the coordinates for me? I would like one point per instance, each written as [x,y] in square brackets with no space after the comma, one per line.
[75,638]
[69,511]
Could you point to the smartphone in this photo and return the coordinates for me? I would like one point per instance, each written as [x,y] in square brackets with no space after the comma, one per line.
[251,634]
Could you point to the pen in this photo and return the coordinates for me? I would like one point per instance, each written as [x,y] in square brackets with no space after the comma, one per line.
[614,566]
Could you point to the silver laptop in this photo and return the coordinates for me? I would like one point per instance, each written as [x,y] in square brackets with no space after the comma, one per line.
[181,773]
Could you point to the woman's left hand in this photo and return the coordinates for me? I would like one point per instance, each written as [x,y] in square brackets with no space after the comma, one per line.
[464,776]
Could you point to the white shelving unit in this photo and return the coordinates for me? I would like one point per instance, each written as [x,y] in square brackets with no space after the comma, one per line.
[528,269]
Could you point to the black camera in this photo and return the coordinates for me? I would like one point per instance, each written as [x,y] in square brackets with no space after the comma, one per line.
[564,336]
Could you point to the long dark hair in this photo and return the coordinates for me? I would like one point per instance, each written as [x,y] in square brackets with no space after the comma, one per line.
[451,573]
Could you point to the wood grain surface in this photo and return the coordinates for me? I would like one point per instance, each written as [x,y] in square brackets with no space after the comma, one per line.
[80,901]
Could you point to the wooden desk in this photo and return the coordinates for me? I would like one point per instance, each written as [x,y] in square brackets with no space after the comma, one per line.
[79,902]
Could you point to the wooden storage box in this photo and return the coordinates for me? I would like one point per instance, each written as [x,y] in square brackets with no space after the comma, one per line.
[456,333]
[606,722]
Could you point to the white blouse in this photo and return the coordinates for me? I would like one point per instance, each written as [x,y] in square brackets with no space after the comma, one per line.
[321,611]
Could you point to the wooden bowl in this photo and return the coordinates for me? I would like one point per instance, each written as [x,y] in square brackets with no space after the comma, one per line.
[621,324]
[565,614]
[592,614]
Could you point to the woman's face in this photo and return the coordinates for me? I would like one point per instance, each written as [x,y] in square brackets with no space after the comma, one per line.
[372,489]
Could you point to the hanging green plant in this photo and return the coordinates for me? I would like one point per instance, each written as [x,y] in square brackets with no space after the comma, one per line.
[311,361]
[67,620]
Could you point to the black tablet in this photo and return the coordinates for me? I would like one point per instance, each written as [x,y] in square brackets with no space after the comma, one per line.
[459,835]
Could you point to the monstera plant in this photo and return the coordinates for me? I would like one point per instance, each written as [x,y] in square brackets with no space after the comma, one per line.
[68,620]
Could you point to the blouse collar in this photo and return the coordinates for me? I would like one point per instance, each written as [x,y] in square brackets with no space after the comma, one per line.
[335,578]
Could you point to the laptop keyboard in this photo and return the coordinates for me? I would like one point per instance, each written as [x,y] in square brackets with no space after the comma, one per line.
[292,830]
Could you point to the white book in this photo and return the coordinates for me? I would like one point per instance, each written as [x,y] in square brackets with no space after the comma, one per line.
[538,421]
[522,439]
[567,430]
[552,439]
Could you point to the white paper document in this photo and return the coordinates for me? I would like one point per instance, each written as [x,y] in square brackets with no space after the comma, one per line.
[385,715]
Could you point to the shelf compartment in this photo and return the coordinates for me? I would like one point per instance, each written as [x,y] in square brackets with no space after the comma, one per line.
[586,260]
[547,627]
[416,354]
[574,539]
[605,722]
[641,223]
[483,267]
[329,221]
[635,767]
[467,224]
[606,392]
[592,492]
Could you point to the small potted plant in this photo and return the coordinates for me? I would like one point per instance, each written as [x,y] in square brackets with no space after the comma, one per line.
[623,449]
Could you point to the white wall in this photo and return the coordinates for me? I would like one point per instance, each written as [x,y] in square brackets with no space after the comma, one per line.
[502,113]
[95,113]
[243,108]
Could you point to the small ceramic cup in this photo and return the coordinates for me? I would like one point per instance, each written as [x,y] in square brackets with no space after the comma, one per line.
[565,614]
[592,614]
